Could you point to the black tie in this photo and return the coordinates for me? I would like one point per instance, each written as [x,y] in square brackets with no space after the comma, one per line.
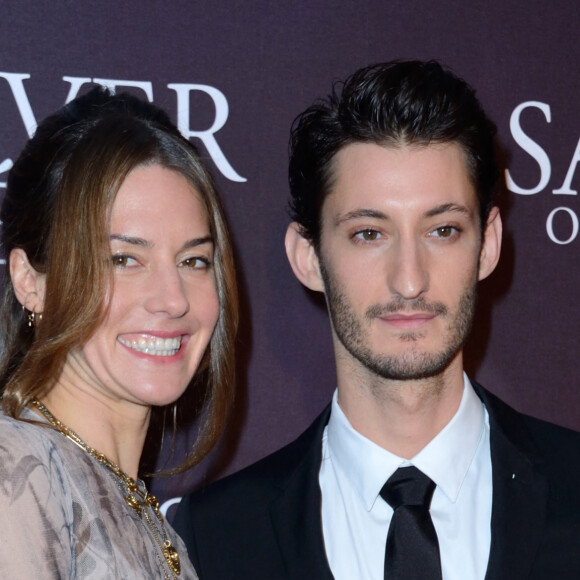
[412,551]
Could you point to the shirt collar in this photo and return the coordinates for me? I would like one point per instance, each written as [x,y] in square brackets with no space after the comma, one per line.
[445,459]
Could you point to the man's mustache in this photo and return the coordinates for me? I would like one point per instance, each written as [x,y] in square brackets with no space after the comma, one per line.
[399,304]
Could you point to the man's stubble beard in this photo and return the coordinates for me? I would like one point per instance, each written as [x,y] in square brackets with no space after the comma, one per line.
[414,363]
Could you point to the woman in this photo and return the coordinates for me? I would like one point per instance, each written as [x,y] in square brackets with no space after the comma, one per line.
[121,289]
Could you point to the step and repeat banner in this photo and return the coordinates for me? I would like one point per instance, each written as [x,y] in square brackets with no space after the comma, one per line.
[233,75]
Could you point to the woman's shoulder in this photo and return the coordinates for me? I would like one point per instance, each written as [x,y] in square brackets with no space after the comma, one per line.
[21,436]
[37,461]
[28,452]
[35,500]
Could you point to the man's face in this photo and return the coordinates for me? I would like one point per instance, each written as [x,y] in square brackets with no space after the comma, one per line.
[399,258]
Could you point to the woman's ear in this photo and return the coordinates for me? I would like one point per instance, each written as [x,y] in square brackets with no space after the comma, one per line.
[29,284]
[303,258]
[491,244]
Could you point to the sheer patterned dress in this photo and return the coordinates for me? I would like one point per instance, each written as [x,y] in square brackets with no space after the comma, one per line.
[64,515]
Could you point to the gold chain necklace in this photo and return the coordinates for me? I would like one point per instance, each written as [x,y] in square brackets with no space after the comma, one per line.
[134,496]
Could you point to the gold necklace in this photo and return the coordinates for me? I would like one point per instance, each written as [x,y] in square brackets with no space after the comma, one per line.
[135,497]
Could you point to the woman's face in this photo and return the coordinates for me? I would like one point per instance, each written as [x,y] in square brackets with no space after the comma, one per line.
[163,305]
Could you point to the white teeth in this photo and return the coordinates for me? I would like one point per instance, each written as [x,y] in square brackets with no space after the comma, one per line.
[154,345]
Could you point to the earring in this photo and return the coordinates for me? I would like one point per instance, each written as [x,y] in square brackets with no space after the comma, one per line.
[33,319]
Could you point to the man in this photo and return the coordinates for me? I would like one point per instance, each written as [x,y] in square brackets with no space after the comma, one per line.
[392,187]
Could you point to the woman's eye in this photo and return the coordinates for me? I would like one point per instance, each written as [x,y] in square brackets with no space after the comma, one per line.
[443,232]
[195,263]
[121,261]
[368,235]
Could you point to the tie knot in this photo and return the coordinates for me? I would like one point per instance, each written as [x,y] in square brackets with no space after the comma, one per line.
[408,486]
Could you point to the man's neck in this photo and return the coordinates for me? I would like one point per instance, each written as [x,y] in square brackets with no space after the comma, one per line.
[401,416]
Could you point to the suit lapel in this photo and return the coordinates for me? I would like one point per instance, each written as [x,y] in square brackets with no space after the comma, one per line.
[519,493]
[295,513]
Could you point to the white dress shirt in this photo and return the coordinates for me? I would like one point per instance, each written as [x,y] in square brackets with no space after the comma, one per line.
[355,519]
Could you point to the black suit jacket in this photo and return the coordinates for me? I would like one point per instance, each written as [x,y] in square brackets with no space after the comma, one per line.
[264,522]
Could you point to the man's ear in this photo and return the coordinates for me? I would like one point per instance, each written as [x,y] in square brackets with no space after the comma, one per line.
[29,284]
[491,244]
[303,259]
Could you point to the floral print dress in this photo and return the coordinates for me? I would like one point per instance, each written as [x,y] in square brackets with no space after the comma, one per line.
[63,514]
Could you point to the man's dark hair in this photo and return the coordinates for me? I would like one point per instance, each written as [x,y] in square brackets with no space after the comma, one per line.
[392,104]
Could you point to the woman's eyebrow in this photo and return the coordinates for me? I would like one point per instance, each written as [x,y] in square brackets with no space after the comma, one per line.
[198,242]
[135,241]
[130,240]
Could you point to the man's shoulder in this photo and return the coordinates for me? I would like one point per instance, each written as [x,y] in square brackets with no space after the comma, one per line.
[503,413]
[270,474]
[544,443]
[558,445]
[246,515]
[550,431]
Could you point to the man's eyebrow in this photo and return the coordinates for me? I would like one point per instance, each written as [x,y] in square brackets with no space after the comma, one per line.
[373,213]
[449,208]
[134,241]
[360,213]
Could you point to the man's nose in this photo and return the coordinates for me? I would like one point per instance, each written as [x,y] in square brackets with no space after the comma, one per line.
[408,276]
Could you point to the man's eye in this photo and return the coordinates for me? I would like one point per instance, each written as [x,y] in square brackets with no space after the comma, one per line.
[444,232]
[368,235]
[121,261]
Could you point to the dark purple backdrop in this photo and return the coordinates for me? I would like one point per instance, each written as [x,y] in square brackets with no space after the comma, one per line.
[271,60]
